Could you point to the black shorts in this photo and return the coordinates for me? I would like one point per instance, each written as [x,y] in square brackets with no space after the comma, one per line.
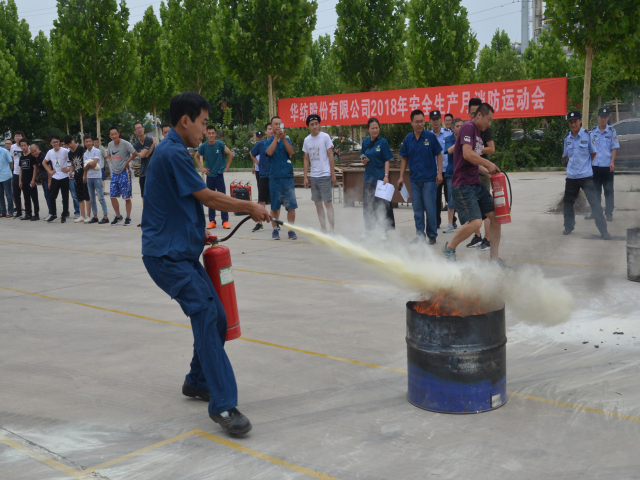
[82,190]
[142,179]
[264,195]
[472,202]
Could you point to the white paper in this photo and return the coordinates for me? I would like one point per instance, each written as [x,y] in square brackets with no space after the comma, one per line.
[384,191]
[404,192]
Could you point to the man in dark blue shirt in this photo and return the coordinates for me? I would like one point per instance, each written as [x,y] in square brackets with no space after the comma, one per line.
[420,150]
[173,237]
[259,156]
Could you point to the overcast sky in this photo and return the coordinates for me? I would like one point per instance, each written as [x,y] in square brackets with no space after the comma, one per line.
[485,17]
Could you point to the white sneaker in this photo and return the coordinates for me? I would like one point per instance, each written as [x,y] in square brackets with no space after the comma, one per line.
[449,229]
[79,220]
[76,217]
[87,220]
[47,217]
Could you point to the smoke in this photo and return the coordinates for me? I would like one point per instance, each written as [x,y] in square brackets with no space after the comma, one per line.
[525,291]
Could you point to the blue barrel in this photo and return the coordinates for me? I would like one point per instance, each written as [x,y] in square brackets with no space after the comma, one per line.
[457,364]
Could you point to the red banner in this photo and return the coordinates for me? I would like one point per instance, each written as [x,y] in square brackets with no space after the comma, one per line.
[525,98]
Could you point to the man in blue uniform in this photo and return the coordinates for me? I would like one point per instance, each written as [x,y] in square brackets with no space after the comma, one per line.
[441,133]
[260,159]
[581,150]
[173,237]
[420,150]
[606,140]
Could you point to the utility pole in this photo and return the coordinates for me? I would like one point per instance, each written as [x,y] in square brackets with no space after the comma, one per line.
[524,32]
[537,19]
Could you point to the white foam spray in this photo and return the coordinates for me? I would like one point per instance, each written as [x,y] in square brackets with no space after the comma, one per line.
[534,299]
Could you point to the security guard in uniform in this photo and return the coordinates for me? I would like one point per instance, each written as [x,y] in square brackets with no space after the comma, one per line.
[581,150]
[606,140]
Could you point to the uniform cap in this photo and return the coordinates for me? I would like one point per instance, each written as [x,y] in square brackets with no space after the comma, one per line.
[259,134]
[574,115]
[604,111]
[313,116]
[435,115]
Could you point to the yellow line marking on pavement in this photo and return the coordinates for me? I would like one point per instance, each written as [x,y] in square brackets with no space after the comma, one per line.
[317,279]
[69,249]
[139,452]
[50,462]
[606,314]
[577,407]
[264,456]
[316,354]
[309,352]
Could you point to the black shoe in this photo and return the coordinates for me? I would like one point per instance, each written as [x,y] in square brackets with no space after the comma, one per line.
[116,220]
[26,217]
[188,391]
[94,220]
[566,232]
[127,222]
[257,227]
[35,218]
[139,225]
[63,219]
[444,209]
[455,225]
[432,240]
[475,241]
[589,217]
[606,236]
[17,215]
[485,245]
[232,422]
[53,218]
[103,221]
[609,218]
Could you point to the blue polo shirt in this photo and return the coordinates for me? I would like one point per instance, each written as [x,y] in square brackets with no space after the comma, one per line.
[449,142]
[173,222]
[5,167]
[422,153]
[444,133]
[280,165]
[214,158]
[263,160]
[579,150]
[606,143]
[378,155]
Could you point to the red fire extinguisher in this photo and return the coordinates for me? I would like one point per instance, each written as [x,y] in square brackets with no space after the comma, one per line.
[501,203]
[217,263]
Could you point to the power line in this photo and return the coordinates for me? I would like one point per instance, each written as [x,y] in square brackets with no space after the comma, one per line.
[491,18]
[499,6]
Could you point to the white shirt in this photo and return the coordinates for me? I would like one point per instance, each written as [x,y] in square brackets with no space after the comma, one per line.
[257,165]
[16,153]
[317,148]
[59,160]
[90,156]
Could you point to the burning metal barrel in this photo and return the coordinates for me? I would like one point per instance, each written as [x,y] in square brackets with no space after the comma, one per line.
[633,254]
[457,357]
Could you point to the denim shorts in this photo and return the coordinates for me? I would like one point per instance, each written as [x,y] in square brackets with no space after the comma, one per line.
[472,202]
[279,188]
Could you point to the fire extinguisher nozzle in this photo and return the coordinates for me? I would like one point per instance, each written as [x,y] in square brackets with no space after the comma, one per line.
[276,221]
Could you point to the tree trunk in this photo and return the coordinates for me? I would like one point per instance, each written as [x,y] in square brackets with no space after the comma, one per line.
[155,122]
[587,87]
[66,122]
[81,126]
[98,121]
[599,100]
[272,111]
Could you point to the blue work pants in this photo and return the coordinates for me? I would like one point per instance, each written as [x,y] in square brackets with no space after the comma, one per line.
[74,196]
[217,185]
[6,192]
[187,282]
[423,198]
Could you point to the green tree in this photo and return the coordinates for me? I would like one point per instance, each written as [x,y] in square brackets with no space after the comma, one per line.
[94,54]
[189,55]
[58,96]
[498,62]
[439,36]
[264,41]
[318,74]
[151,88]
[29,117]
[546,60]
[611,77]
[594,27]
[369,41]
[11,84]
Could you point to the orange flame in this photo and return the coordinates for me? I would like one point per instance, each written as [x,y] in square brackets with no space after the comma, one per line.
[447,305]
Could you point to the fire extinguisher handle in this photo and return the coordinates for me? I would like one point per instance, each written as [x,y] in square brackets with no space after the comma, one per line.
[276,221]
[510,193]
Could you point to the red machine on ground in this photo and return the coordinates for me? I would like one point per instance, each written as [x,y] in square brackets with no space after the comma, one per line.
[501,203]
[217,263]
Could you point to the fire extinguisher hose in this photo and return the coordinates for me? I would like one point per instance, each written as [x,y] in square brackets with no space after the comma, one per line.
[240,224]
[510,194]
